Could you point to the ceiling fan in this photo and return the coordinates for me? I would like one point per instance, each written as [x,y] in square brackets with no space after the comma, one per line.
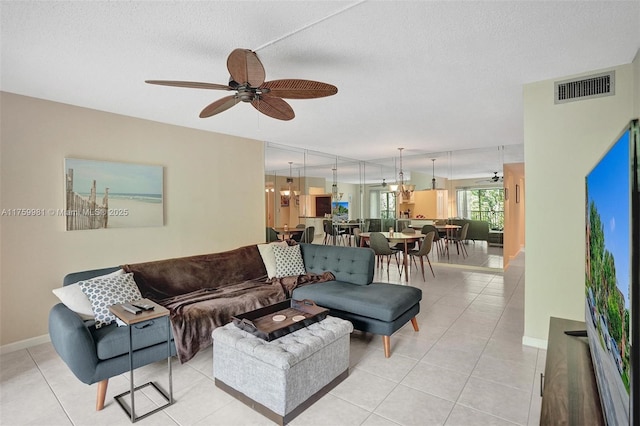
[495,178]
[383,184]
[247,79]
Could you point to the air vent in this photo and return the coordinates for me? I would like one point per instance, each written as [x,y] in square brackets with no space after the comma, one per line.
[594,86]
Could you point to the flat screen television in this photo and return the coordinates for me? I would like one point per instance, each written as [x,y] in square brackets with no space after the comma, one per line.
[612,286]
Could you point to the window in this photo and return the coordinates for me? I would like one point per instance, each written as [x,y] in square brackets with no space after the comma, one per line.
[387,205]
[482,204]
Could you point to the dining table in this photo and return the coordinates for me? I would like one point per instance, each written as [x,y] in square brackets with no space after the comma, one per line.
[396,237]
[288,232]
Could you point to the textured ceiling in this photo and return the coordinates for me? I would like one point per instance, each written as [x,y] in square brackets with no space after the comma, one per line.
[432,77]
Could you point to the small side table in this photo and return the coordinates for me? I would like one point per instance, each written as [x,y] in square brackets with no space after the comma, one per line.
[132,319]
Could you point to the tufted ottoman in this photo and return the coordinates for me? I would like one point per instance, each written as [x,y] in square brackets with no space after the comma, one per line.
[283,377]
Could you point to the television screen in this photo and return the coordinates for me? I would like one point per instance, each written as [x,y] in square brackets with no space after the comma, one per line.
[610,283]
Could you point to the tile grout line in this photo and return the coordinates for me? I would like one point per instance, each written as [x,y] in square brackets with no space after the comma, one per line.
[64,410]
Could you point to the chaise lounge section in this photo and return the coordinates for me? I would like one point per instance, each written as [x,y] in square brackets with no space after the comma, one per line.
[377,308]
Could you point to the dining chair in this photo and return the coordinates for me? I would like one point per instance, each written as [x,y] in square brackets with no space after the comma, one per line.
[402,224]
[423,251]
[372,225]
[308,235]
[437,239]
[459,239]
[331,233]
[381,248]
[356,236]
[272,235]
[297,236]
[405,231]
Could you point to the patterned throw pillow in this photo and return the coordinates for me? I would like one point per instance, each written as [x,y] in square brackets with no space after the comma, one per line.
[74,298]
[288,261]
[104,292]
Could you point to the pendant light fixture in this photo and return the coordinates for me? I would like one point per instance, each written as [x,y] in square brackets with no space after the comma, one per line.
[433,173]
[287,192]
[404,190]
[335,195]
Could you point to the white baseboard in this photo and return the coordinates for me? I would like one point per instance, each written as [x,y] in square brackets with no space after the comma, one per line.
[24,344]
[536,343]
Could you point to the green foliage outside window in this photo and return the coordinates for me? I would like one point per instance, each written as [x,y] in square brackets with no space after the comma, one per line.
[387,205]
[485,204]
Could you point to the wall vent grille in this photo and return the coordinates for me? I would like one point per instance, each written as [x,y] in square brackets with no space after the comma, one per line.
[594,86]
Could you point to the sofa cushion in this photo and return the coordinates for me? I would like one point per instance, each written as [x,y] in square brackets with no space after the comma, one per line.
[112,341]
[382,301]
[352,265]
[288,261]
[107,291]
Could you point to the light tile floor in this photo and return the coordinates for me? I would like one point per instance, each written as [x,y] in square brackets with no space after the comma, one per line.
[466,366]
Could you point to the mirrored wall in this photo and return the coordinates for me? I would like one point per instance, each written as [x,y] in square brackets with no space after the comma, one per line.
[296,178]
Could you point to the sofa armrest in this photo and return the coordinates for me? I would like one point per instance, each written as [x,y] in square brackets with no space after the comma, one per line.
[73,342]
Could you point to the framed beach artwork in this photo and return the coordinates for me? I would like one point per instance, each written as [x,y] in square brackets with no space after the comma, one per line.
[340,211]
[103,194]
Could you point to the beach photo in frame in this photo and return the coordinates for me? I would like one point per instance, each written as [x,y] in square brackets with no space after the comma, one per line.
[105,194]
[340,211]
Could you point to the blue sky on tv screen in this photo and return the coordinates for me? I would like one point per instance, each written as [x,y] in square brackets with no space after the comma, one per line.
[609,187]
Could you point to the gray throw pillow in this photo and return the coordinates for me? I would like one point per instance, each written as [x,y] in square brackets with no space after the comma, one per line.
[107,291]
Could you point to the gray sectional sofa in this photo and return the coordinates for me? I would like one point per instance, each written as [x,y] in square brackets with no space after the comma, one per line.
[188,287]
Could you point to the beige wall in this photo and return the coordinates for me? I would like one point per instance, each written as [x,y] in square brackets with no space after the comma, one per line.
[562,143]
[213,188]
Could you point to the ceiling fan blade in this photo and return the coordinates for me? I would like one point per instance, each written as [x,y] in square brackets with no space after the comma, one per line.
[299,89]
[245,67]
[190,84]
[273,107]
[219,106]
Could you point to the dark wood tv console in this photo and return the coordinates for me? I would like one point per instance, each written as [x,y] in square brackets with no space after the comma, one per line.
[569,392]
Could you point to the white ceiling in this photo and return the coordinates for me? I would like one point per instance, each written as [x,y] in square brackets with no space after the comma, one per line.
[433,77]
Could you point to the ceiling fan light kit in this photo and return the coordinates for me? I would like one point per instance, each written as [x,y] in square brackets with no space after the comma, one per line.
[247,78]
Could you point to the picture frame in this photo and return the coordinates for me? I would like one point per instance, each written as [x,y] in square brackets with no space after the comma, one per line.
[517,193]
[107,194]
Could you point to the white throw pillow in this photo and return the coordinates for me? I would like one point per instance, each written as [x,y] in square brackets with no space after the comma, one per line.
[269,259]
[74,298]
[105,292]
[288,261]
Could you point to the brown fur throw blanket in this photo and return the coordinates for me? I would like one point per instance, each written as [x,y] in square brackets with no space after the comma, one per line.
[196,314]
[288,284]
